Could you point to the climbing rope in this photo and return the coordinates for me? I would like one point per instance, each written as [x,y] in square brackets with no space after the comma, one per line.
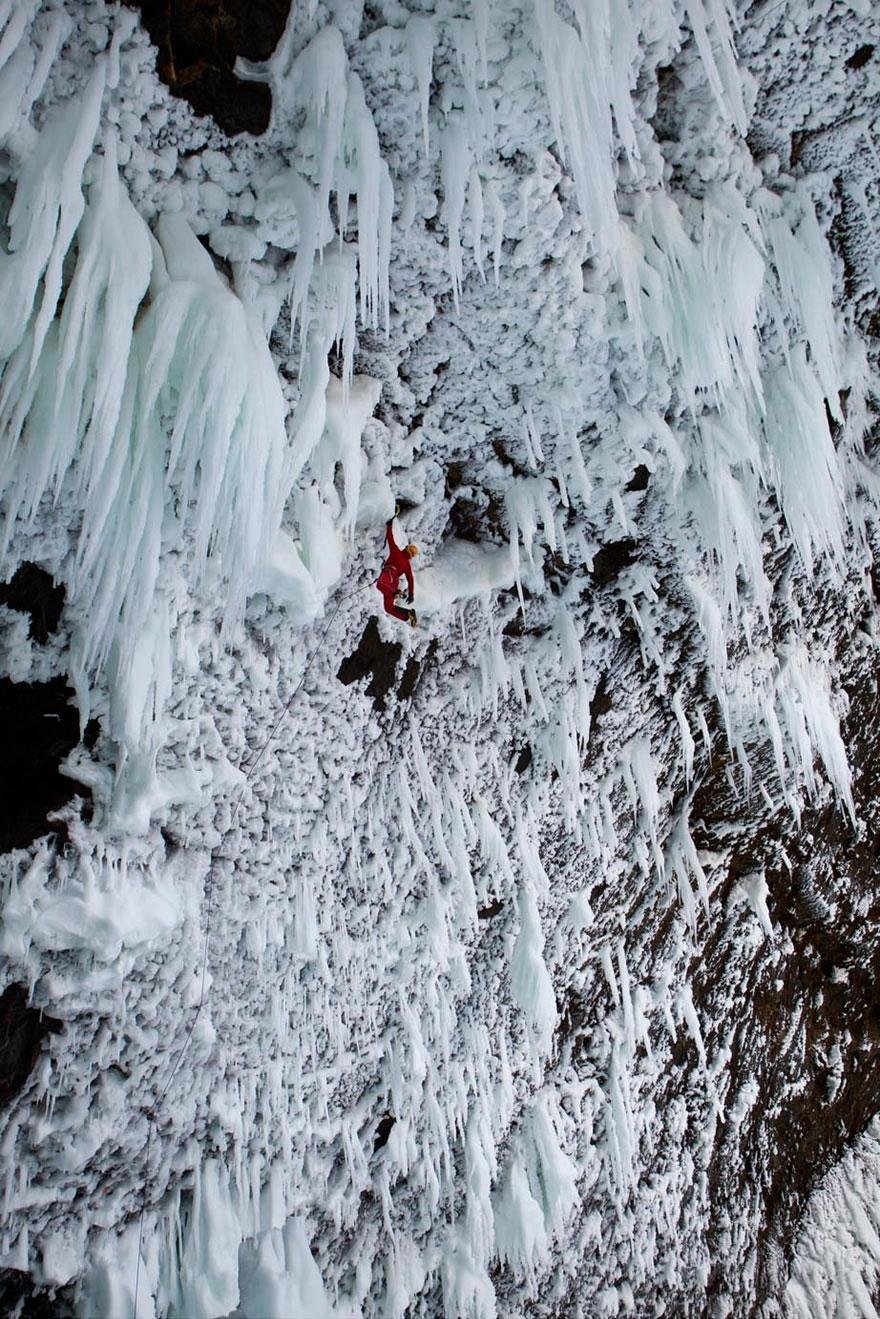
[248,769]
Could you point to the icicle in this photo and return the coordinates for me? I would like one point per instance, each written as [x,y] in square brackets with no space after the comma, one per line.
[626,1003]
[229,417]
[556,1175]
[481,27]
[689,306]
[123,28]
[685,1003]
[725,506]
[347,413]
[688,746]
[455,165]
[608,968]
[619,1135]
[308,221]
[16,23]
[519,1221]
[623,73]
[534,439]
[43,218]
[530,981]
[725,82]
[637,767]
[496,210]
[523,500]
[386,214]
[16,72]
[467,1287]
[374,194]
[754,888]
[805,465]
[209,1269]
[316,81]
[334,322]
[629,259]
[420,45]
[492,842]
[475,206]
[803,697]
[712,627]
[682,863]
[569,642]
[532,869]
[580,112]
[54,36]
[114,253]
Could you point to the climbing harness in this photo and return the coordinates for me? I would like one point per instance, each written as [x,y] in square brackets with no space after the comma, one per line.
[248,769]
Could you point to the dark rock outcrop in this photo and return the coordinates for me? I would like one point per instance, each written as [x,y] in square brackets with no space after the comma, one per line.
[40,726]
[31,590]
[198,43]
[22,1031]
[383,1131]
[21,1298]
[611,559]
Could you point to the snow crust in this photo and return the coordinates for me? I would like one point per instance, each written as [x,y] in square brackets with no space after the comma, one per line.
[836,1257]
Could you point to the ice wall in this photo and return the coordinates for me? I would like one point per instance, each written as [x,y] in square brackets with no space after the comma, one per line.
[376,1011]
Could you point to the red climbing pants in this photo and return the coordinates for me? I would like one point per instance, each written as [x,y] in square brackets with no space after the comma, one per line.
[390,607]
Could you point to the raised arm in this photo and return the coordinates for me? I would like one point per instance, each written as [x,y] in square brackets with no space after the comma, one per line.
[389,535]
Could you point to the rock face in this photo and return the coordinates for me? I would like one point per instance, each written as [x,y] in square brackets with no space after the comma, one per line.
[32,591]
[524,963]
[40,727]
[198,42]
[18,1296]
[22,1030]
[39,720]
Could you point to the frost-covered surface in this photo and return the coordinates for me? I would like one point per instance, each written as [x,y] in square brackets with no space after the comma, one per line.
[520,995]
[838,1255]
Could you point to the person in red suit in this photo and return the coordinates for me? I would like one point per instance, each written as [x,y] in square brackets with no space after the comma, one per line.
[396,566]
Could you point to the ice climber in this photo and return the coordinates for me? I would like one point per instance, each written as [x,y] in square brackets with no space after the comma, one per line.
[397,565]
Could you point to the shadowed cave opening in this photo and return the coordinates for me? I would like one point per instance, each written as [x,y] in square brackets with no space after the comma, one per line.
[39,724]
[31,590]
[38,728]
[198,43]
[22,1031]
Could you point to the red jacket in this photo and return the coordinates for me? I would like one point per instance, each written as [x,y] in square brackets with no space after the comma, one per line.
[397,565]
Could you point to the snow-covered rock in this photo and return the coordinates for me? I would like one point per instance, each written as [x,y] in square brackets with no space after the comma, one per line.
[537,976]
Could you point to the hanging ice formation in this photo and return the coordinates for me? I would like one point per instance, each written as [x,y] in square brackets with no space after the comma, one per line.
[136,384]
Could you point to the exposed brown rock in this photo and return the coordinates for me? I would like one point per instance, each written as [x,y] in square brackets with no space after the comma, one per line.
[39,727]
[198,43]
[32,590]
[811,992]
[22,1031]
